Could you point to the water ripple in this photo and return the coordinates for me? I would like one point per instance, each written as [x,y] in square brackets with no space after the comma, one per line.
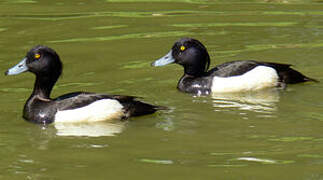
[21,1]
[126,36]
[239,24]
[154,161]
[262,47]
[263,161]
[130,14]
[142,14]
[109,27]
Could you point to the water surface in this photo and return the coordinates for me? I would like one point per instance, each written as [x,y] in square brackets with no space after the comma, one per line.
[107,46]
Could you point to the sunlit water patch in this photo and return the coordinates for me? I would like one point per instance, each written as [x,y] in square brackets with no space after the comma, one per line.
[263,160]
[242,159]
[2,29]
[155,161]
[109,27]
[20,1]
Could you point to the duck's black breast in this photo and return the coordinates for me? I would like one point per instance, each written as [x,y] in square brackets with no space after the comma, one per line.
[39,110]
[195,85]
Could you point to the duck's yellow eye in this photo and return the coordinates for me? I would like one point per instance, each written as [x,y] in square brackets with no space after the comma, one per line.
[182,48]
[37,56]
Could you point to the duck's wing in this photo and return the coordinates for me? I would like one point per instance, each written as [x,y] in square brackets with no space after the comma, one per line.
[233,68]
[80,99]
[131,106]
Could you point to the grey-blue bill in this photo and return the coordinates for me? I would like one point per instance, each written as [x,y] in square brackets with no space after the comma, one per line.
[167,59]
[17,69]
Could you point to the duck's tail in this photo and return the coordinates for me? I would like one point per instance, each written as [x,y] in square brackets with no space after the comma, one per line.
[134,107]
[289,75]
[138,108]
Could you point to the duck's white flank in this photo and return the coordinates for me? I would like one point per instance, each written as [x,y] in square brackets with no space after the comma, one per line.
[258,78]
[100,110]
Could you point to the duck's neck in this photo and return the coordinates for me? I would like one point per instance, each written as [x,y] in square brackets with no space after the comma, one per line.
[43,86]
[194,71]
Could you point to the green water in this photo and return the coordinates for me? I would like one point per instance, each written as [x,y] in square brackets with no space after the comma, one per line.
[107,46]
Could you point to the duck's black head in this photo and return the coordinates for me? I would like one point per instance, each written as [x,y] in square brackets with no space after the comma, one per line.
[190,53]
[45,64]
[40,60]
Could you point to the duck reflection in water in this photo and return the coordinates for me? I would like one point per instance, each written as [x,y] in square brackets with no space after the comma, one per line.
[90,129]
[264,101]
